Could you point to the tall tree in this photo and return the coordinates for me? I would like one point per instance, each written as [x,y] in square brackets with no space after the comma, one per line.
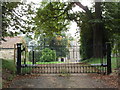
[103,23]
[61,12]
[16,18]
[7,15]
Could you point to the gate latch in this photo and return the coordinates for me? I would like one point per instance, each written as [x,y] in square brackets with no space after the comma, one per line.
[23,50]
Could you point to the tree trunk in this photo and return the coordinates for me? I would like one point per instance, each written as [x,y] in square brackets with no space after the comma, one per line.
[98,32]
[97,28]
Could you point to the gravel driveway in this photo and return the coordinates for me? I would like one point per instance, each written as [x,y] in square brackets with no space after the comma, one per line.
[59,81]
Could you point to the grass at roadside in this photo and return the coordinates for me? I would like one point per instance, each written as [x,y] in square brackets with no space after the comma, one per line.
[8,71]
[9,65]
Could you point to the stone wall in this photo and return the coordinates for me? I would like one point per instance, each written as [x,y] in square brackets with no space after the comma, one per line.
[7,54]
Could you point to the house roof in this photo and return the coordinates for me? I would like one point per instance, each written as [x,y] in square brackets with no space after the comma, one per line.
[10,41]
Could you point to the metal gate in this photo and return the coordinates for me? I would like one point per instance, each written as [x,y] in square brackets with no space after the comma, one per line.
[48,60]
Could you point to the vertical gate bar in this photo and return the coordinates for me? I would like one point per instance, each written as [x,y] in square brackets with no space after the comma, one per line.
[40,69]
[76,68]
[82,69]
[33,57]
[105,70]
[47,68]
[97,69]
[14,53]
[68,67]
[50,68]
[71,68]
[59,68]
[102,69]
[44,69]
[56,68]
[85,69]
[109,69]
[92,68]
[25,57]
[37,69]
[19,58]
[79,69]
[53,68]
[88,69]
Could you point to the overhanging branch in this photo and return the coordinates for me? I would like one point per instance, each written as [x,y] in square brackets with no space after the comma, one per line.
[85,8]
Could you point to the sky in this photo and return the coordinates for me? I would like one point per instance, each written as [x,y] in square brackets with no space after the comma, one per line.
[73,26]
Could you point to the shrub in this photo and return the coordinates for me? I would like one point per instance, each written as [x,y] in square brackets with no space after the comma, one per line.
[48,55]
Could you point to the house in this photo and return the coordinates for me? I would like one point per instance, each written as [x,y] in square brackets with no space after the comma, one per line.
[8,47]
[74,53]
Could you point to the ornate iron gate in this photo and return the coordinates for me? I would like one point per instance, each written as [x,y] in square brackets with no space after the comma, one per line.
[32,59]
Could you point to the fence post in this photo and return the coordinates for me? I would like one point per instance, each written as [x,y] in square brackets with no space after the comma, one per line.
[19,58]
[109,68]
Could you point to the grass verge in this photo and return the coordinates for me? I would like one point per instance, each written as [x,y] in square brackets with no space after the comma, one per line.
[8,71]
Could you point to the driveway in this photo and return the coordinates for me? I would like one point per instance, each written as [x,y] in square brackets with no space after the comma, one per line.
[58,81]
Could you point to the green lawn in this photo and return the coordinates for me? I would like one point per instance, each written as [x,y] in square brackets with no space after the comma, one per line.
[28,62]
[98,61]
